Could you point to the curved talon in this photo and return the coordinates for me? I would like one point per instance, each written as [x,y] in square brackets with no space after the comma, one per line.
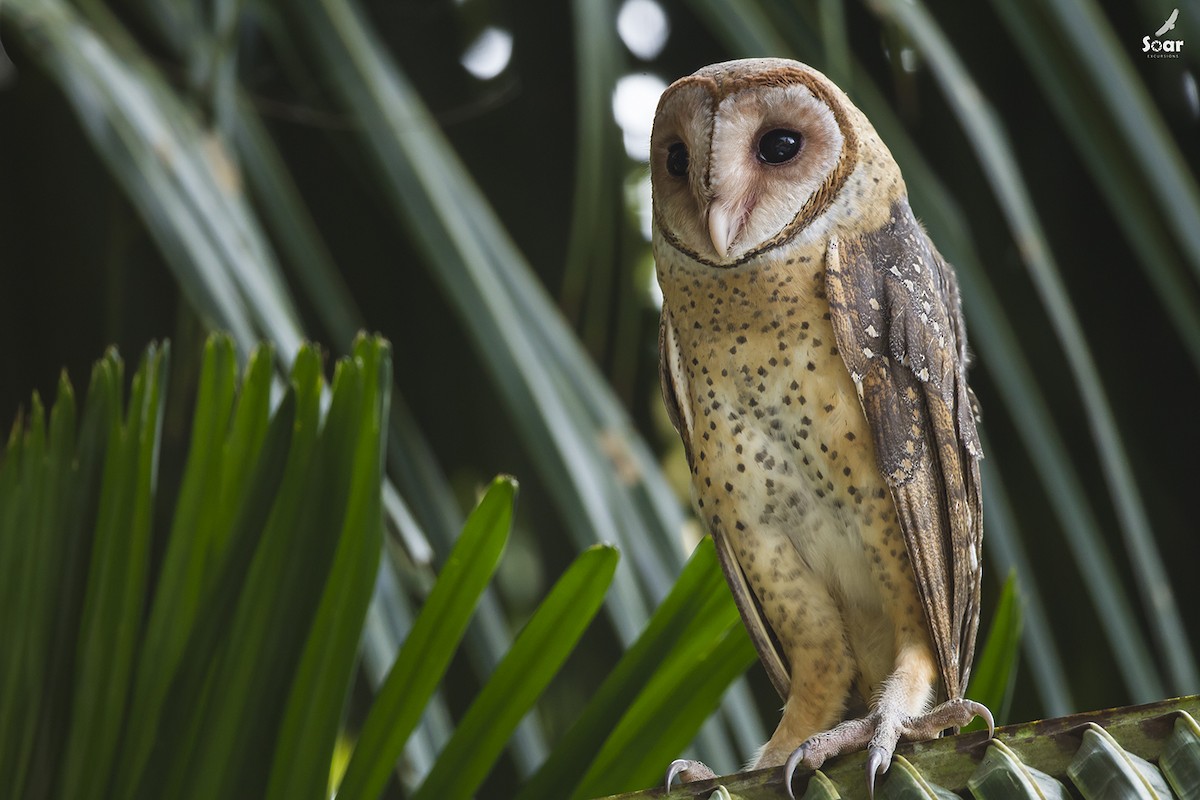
[982,711]
[877,764]
[677,766]
[789,768]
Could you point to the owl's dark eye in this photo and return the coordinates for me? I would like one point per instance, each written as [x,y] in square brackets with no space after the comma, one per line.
[779,145]
[677,159]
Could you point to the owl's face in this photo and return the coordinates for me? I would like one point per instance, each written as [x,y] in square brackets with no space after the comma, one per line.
[745,155]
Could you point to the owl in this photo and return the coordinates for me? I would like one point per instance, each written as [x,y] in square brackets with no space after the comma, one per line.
[813,360]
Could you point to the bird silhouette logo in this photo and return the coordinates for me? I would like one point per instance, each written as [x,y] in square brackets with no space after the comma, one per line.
[1169,24]
[1158,47]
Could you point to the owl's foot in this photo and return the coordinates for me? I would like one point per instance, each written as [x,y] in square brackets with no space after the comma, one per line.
[879,732]
[688,772]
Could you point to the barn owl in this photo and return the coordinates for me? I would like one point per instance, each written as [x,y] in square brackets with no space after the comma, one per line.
[813,360]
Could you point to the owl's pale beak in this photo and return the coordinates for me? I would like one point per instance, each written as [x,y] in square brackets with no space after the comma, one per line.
[724,224]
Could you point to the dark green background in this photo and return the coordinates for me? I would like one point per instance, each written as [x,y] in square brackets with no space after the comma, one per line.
[79,271]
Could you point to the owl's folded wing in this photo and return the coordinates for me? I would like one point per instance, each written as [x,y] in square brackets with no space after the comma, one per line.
[895,310]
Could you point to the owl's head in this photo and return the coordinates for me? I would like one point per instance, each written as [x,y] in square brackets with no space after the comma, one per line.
[747,154]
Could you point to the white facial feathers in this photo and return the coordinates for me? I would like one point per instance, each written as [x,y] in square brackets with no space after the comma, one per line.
[735,200]
[769,195]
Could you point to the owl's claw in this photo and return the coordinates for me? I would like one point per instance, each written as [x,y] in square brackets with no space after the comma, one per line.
[877,763]
[688,771]
[879,731]
[677,766]
[950,714]
[982,711]
[789,768]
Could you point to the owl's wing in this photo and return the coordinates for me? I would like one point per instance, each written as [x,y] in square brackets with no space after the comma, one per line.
[896,315]
[673,378]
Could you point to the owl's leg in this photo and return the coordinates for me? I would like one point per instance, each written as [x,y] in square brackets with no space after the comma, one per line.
[898,713]
[809,625]
[880,731]
[903,694]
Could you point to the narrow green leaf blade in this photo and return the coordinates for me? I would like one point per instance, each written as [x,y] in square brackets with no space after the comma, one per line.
[111,624]
[995,670]
[670,710]
[180,581]
[38,611]
[243,445]
[535,658]
[277,606]
[80,507]
[310,722]
[253,628]
[1006,554]
[430,644]
[19,548]
[176,732]
[673,621]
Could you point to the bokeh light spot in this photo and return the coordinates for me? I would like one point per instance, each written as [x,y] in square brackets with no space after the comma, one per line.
[643,27]
[489,54]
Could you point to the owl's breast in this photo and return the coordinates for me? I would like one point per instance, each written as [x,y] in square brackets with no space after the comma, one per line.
[782,448]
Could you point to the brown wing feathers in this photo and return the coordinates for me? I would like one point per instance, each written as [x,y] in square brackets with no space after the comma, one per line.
[894,306]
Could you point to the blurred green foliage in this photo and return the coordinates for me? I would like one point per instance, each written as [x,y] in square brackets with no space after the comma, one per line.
[300,170]
[221,666]
[218,655]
